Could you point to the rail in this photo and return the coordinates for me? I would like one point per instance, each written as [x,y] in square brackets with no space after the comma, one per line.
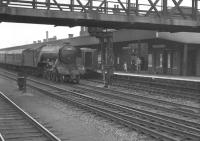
[32,120]
[1,137]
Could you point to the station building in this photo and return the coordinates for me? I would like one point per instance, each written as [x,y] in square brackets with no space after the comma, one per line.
[159,52]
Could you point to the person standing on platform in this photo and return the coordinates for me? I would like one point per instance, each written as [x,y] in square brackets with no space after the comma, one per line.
[125,67]
[138,64]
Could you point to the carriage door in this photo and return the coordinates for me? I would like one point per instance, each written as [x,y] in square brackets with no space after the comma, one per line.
[88,59]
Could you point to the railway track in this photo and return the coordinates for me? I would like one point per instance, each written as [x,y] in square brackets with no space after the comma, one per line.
[133,99]
[180,109]
[167,91]
[163,105]
[151,125]
[17,125]
[139,96]
[157,127]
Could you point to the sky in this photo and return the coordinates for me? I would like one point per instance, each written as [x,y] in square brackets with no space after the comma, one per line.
[14,34]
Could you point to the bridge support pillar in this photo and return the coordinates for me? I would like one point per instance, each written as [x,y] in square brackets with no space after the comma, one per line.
[185,59]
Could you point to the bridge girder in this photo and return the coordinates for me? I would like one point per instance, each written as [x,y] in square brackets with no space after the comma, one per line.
[117,14]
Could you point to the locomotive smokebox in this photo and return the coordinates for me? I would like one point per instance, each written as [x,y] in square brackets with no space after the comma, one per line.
[67,54]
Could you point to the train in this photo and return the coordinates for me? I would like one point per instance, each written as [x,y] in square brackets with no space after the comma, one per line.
[60,63]
[53,61]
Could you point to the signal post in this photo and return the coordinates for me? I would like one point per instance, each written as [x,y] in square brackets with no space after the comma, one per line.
[107,61]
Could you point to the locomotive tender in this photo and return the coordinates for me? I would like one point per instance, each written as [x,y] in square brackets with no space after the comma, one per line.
[56,61]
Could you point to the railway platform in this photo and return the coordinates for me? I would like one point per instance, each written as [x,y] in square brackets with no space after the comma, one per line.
[156,76]
[165,77]
[190,83]
[178,82]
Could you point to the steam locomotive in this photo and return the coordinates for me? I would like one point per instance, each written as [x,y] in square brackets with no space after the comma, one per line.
[56,62]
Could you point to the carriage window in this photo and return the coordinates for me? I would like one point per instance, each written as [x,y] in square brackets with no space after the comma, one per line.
[150,60]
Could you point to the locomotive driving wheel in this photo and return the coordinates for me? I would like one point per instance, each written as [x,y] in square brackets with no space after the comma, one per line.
[48,75]
[57,78]
[45,75]
[61,78]
[53,76]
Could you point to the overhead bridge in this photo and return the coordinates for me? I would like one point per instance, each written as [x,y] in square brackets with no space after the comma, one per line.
[161,15]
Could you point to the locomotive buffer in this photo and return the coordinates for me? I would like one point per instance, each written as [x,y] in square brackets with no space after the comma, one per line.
[106,52]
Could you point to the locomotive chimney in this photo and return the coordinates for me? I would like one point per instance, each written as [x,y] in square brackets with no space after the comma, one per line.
[47,36]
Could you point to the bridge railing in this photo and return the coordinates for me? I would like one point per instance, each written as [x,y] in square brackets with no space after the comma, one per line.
[157,8]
